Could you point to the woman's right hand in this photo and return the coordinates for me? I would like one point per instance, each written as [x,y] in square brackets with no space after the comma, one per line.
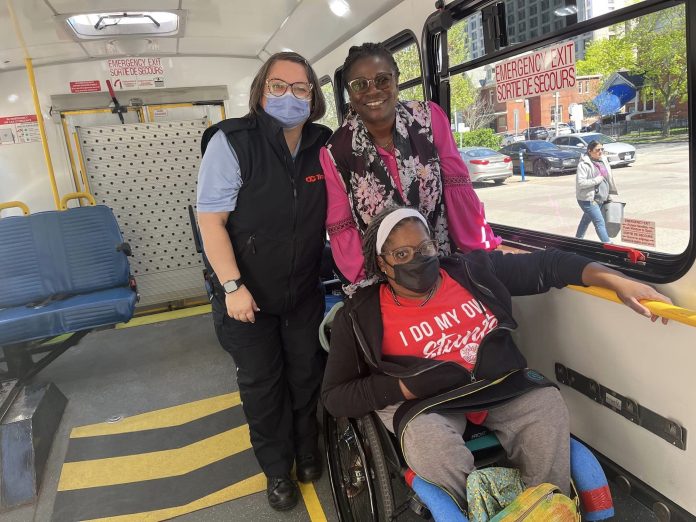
[241,305]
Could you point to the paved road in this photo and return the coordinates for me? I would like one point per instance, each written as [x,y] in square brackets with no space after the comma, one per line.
[655,188]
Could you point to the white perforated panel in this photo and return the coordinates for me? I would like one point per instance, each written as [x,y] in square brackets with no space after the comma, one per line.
[146,172]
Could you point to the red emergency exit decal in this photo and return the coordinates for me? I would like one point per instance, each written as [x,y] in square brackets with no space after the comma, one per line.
[12,120]
[85,86]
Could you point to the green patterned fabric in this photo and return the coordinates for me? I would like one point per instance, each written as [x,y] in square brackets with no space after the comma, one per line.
[490,490]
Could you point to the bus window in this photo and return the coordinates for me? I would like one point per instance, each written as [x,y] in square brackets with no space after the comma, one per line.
[330,118]
[634,102]
[407,57]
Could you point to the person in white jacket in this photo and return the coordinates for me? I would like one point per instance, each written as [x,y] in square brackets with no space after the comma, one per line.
[594,184]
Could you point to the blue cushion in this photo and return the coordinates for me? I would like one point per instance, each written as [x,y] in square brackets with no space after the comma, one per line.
[80,312]
[60,252]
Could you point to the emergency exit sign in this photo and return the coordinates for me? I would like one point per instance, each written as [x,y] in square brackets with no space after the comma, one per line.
[547,70]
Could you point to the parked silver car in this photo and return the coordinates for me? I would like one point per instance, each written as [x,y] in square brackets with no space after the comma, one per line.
[616,152]
[485,164]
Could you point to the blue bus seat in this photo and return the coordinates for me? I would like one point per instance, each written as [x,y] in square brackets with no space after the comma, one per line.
[62,272]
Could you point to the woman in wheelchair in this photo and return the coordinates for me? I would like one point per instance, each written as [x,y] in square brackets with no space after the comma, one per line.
[430,349]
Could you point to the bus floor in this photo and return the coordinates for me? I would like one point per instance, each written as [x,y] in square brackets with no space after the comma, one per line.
[122,373]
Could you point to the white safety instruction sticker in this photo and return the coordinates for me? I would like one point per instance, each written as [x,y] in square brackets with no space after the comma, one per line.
[136,73]
[19,129]
[638,231]
[546,70]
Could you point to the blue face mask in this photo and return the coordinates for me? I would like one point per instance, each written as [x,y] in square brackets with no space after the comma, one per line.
[287,110]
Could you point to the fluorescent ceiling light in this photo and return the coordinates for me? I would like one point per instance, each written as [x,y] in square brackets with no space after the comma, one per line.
[12,98]
[339,7]
[568,10]
[124,23]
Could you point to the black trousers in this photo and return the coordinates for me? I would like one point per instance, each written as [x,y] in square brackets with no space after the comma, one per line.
[280,365]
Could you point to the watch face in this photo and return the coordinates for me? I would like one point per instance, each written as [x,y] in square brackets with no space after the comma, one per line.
[230,286]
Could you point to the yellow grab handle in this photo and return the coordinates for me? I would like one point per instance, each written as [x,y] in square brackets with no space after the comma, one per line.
[15,204]
[76,195]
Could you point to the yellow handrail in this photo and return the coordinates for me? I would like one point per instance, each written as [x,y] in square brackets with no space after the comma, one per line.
[37,105]
[76,195]
[15,204]
[675,313]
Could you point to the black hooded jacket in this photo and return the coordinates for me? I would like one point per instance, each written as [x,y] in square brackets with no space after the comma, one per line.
[358,380]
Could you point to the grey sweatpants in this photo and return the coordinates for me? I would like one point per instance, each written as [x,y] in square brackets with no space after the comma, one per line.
[533,429]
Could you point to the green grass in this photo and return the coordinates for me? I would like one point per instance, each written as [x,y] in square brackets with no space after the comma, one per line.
[655,136]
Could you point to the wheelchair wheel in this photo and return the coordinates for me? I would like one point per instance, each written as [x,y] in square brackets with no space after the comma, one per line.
[360,481]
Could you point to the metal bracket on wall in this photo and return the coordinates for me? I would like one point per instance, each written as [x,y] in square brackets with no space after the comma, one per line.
[628,408]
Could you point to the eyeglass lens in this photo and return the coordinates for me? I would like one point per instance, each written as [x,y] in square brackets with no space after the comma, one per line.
[381,81]
[301,90]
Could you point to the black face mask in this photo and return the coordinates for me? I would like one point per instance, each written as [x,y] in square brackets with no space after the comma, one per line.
[419,274]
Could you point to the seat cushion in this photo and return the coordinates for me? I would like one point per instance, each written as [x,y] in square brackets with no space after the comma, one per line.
[80,312]
[60,252]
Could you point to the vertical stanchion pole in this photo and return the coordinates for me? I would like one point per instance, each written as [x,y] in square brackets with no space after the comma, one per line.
[37,106]
[522,166]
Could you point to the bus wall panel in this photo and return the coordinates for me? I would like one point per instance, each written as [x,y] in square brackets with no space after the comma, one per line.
[24,173]
[648,362]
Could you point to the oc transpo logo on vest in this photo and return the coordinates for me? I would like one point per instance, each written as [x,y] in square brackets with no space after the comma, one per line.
[314,178]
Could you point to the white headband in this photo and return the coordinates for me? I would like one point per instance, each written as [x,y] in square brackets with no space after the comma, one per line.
[389,222]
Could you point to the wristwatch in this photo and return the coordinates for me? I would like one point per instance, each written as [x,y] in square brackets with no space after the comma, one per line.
[232,285]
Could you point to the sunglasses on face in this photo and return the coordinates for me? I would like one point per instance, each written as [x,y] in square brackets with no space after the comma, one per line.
[361,85]
[598,150]
[300,90]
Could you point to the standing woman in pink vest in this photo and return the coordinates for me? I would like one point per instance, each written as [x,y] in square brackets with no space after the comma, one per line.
[390,153]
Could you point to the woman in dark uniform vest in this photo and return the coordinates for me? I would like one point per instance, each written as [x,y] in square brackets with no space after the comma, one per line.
[261,211]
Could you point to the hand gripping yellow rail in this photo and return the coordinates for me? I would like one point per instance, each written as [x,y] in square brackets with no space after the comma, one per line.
[675,313]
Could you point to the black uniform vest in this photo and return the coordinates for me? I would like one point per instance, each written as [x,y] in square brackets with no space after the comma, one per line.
[277,227]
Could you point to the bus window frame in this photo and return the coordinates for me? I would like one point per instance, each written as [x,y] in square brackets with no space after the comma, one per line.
[324,80]
[400,41]
[660,267]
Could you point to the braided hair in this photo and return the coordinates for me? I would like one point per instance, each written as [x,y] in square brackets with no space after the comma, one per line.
[367,50]
[369,239]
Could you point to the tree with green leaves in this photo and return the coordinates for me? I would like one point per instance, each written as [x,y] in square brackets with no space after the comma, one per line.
[660,43]
[653,46]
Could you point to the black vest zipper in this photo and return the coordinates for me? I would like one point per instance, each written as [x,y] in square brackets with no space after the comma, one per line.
[290,165]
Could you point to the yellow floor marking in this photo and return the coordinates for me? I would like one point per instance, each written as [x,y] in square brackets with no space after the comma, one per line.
[166,316]
[165,418]
[676,313]
[311,501]
[254,484]
[154,465]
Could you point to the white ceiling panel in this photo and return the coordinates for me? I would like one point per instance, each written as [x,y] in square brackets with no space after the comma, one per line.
[248,28]
[227,46]
[255,21]
[103,48]
[326,28]
[96,6]
[35,21]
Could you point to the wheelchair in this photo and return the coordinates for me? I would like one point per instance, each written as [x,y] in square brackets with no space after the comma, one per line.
[366,467]
[364,459]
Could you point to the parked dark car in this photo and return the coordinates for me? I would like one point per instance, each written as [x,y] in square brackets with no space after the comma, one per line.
[542,158]
[536,133]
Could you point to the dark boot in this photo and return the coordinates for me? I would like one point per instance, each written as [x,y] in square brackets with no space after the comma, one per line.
[308,466]
[282,493]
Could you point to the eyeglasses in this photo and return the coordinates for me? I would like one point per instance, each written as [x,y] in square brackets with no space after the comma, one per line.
[361,85]
[404,254]
[300,90]
[598,150]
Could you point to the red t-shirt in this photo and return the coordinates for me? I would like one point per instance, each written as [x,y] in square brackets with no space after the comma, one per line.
[449,327]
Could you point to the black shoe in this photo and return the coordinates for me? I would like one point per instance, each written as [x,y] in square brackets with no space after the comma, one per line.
[308,467]
[282,493]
